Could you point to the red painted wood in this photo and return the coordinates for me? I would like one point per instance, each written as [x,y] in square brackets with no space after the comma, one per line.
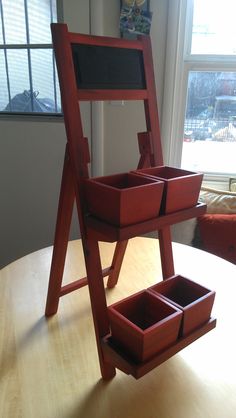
[150,104]
[77,144]
[166,253]
[181,189]
[117,263]
[103,231]
[77,284]
[65,208]
[74,176]
[78,159]
[194,300]
[144,324]
[88,95]
[98,302]
[124,192]
[146,150]
[78,38]
[120,360]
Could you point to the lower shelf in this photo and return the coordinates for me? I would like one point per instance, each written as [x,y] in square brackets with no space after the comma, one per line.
[119,360]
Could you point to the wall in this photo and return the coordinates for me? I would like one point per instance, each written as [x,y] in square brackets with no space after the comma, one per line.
[31,161]
[122,123]
[30,165]
[32,152]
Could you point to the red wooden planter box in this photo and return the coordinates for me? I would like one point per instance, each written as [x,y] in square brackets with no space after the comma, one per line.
[144,324]
[194,300]
[181,190]
[124,199]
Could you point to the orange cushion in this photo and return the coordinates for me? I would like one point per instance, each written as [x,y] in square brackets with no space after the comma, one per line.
[218,235]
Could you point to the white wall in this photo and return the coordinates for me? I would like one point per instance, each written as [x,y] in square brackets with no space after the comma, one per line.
[122,123]
[31,161]
[30,166]
[31,156]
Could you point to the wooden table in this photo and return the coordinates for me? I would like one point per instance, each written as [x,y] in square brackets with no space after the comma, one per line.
[50,369]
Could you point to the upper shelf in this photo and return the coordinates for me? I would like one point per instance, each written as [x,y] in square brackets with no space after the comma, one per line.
[103,231]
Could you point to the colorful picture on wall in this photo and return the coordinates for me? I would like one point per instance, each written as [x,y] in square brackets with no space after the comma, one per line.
[135,18]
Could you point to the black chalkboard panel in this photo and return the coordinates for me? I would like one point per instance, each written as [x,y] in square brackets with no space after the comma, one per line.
[104,67]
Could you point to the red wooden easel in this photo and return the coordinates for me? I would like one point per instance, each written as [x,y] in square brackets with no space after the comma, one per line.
[77,85]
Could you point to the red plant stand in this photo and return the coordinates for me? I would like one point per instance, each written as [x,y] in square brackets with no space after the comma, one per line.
[83,62]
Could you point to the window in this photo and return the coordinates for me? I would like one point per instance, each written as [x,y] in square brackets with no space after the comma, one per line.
[28,78]
[203,114]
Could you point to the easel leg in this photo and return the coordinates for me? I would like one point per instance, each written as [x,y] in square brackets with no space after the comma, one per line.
[64,215]
[98,302]
[117,263]
[166,253]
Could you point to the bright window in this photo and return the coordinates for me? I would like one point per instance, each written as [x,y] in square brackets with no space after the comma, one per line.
[214,29]
[202,107]
[210,122]
[28,78]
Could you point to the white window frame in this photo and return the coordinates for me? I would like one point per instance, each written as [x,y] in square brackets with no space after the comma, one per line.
[28,46]
[179,62]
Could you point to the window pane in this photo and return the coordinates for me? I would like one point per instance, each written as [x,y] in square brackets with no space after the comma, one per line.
[214,29]
[1,28]
[19,81]
[40,15]
[58,92]
[28,78]
[210,122]
[54,10]
[15,32]
[4,98]
[43,80]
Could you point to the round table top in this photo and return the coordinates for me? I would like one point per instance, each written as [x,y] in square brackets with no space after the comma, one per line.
[50,368]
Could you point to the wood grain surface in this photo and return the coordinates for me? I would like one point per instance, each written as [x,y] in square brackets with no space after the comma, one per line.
[49,368]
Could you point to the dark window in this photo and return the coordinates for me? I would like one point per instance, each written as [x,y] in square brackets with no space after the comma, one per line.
[28,78]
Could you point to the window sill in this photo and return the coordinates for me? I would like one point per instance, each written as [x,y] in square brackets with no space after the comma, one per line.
[217,182]
[27,117]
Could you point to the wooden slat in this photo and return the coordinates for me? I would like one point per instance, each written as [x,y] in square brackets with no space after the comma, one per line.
[77,284]
[88,95]
[109,233]
[77,38]
[137,370]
